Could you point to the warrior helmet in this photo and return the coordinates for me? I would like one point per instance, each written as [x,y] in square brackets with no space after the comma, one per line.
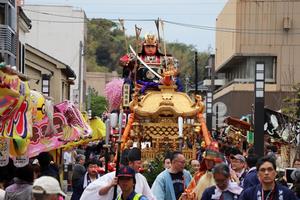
[150,39]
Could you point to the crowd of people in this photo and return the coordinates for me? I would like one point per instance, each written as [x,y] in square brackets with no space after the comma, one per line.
[218,175]
[38,180]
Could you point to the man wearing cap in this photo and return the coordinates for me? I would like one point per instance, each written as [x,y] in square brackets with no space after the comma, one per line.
[171,183]
[126,181]
[47,188]
[103,187]
[238,166]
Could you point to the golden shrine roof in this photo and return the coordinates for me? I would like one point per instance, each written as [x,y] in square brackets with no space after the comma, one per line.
[166,102]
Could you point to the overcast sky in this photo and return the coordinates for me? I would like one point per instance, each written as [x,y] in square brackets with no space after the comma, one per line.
[202,13]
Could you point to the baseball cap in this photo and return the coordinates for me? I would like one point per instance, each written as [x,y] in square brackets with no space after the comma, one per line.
[126,172]
[47,185]
[240,157]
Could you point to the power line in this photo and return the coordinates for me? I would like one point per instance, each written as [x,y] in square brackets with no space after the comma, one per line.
[52,14]
[199,27]
[148,4]
[209,28]
[135,13]
[142,13]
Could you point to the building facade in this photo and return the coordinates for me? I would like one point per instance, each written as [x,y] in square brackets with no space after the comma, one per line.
[8,32]
[24,26]
[48,75]
[98,80]
[60,31]
[250,32]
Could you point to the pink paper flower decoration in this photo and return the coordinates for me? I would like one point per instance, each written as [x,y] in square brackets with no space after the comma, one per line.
[113,93]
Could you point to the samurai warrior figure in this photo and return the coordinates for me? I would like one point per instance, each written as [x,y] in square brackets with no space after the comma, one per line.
[151,56]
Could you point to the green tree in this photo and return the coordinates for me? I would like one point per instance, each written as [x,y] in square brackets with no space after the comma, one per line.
[292,103]
[154,168]
[105,45]
[98,103]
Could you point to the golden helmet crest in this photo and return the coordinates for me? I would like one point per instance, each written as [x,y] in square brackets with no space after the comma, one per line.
[150,39]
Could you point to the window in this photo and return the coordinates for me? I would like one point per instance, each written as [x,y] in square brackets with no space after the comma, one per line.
[2,13]
[46,84]
[245,70]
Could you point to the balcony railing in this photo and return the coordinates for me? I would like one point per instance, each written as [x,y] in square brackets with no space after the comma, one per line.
[8,42]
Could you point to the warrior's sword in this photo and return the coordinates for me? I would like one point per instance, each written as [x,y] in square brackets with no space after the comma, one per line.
[151,70]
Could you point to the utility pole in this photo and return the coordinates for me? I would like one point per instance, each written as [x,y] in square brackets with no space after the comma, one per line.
[80,73]
[196,72]
[89,102]
[186,83]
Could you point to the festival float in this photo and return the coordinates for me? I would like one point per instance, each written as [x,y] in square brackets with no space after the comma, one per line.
[158,116]
[280,132]
[31,124]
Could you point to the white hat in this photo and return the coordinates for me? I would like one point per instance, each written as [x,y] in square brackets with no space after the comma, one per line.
[47,185]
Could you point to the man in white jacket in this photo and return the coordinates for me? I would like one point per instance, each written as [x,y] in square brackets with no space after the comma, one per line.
[103,187]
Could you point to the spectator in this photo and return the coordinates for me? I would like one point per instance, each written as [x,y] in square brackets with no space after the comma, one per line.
[77,177]
[170,184]
[2,191]
[224,188]
[47,169]
[267,189]
[126,181]
[167,163]
[195,166]
[103,187]
[238,166]
[296,182]
[21,189]
[36,169]
[47,188]
[251,178]
[91,174]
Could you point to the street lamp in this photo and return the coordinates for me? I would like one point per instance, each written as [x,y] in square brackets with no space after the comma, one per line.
[259,108]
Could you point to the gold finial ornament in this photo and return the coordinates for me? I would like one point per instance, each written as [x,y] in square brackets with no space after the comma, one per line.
[150,39]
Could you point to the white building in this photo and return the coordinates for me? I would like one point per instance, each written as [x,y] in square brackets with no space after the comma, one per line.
[60,31]
[24,26]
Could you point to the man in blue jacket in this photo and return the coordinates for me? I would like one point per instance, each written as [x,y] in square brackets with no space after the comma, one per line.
[171,183]
[224,188]
[267,189]
[251,178]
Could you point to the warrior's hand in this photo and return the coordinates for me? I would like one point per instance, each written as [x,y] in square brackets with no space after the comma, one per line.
[126,60]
